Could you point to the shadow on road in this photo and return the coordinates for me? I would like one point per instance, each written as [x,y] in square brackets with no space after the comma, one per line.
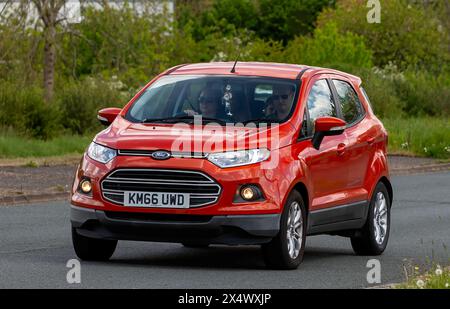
[218,257]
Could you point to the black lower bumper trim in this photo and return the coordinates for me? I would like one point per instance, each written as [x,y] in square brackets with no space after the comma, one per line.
[234,230]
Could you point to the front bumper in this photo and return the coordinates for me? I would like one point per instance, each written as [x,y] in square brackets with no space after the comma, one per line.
[274,184]
[223,229]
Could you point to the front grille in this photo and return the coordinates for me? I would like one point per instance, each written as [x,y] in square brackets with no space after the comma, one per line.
[203,189]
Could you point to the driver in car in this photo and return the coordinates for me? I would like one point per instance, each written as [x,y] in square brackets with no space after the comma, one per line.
[281,102]
[209,103]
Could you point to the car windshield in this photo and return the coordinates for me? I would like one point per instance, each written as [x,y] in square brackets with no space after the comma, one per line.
[220,99]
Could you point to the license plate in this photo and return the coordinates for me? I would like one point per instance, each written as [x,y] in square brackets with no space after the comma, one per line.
[156,199]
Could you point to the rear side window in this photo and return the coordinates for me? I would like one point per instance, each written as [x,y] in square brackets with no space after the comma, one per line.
[348,99]
[366,96]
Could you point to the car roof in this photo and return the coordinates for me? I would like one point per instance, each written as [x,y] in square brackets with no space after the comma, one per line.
[266,69]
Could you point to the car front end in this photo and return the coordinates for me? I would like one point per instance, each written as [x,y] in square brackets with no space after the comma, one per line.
[136,182]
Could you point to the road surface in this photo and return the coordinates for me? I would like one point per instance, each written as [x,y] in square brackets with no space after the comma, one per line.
[35,246]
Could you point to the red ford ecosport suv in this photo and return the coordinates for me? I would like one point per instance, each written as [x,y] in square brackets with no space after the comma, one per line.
[236,153]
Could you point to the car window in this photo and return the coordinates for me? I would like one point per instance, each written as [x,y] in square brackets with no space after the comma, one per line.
[190,95]
[263,91]
[366,96]
[236,99]
[320,104]
[348,99]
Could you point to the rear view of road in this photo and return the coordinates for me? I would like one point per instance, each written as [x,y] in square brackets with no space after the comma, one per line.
[35,246]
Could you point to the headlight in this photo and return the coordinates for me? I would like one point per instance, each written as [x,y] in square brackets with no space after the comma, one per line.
[101,153]
[238,158]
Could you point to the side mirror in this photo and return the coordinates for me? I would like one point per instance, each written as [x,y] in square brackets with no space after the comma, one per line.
[107,115]
[326,126]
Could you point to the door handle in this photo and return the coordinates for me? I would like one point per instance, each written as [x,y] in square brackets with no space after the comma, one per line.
[341,149]
[370,140]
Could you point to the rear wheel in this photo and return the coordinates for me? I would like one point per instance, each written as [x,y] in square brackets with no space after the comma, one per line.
[286,250]
[91,249]
[372,239]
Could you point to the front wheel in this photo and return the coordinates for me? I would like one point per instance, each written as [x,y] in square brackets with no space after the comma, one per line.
[372,239]
[91,249]
[286,250]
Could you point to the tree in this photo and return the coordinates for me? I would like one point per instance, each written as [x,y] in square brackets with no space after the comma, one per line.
[408,36]
[279,20]
[195,6]
[48,11]
[285,19]
[329,48]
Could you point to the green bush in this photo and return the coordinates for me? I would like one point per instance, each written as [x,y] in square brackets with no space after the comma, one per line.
[425,93]
[328,47]
[79,102]
[23,109]
[407,35]
[394,93]
[74,109]
[381,89]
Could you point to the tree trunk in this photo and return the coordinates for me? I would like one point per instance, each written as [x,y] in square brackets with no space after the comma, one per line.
[48,12]
[49,62]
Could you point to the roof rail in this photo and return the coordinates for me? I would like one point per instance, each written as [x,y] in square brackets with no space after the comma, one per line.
[299,76]
[173,69]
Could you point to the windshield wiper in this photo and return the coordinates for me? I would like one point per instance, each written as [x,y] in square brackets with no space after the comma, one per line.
[150,120]
[181,118]
[210,119]
[261,120]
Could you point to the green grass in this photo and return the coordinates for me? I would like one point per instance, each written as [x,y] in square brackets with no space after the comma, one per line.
[427,137]
[13,146]
[436,278]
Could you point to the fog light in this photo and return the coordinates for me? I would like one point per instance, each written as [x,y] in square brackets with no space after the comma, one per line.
[86,186]
[249,193]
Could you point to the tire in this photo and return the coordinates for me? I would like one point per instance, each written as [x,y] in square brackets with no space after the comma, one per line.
[198,246]
[276,253]
[90,249]
[369,240]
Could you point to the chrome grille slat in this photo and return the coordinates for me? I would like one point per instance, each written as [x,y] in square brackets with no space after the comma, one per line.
[148,153]
[124,180]
[203,191]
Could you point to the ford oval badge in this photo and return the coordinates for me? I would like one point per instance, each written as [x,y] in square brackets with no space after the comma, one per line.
[160,155]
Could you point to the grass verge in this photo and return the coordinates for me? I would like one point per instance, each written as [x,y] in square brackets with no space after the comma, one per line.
[12,146]
[436,278]
[426,137]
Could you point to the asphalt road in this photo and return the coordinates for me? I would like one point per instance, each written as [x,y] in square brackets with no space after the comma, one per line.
[35,246]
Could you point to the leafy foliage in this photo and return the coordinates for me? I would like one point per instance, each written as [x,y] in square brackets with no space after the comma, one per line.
[279,20]
[329,48]
[79,102]
[285,19]
[115,50]
[408,35]
[24,109]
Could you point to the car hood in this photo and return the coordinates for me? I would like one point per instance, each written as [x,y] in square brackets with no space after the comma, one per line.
[183,137]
